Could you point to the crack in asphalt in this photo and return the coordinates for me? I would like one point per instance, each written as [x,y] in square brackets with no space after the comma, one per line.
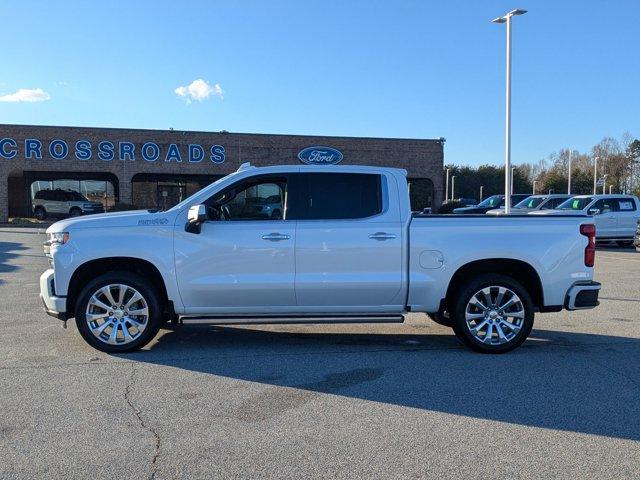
[138,413]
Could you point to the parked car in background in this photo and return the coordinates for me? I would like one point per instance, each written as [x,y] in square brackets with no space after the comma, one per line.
[466,202]
[535,202]
[63,203]
[615,216]
[489,203]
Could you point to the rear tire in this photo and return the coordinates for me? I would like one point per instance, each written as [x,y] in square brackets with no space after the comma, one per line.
[75,212]
[112,321]
[624,243]
[40,213]
[492,314]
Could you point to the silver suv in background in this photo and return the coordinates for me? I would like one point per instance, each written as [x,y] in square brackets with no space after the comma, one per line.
[63,203]
[615,216]
[535,202]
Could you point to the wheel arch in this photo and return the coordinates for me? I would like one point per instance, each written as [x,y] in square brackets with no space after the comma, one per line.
[519,270]
[90,269]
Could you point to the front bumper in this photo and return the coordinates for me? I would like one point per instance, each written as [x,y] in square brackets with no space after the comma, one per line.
[582,296]
[52,304]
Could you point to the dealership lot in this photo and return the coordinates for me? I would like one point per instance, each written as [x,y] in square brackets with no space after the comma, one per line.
[320,401]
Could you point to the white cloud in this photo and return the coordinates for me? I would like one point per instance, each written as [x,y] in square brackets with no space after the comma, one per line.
[26,95]
[199,90]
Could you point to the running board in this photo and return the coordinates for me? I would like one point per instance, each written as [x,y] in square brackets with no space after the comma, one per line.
[279,319]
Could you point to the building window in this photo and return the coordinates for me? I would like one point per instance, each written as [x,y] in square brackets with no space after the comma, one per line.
[85,195]
[420,193]
[163,191]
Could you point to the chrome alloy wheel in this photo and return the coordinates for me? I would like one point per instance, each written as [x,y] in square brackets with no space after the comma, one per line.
[494,315]
[117,314]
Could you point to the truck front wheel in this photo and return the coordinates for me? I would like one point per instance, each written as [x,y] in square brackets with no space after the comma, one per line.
[492,314]
[118,312]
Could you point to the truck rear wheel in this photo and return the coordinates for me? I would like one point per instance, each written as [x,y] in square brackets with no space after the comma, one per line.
[493,314]
[118,312]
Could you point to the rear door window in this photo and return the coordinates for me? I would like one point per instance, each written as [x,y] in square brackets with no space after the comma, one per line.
[338,196]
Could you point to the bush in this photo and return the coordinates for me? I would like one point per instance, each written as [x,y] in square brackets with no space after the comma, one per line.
[449,206]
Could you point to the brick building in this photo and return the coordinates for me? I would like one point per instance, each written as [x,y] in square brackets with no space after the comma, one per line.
[122,167]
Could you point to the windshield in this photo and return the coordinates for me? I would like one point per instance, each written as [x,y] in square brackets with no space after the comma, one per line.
[531,202]
[575,203]
[189,199]
[492,201]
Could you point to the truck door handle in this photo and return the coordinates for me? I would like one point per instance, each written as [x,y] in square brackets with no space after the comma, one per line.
[276,237]
[382,236]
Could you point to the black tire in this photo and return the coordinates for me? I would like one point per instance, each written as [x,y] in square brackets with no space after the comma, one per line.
[464,295]
[40,213]
[150,296]
[75,212]
[441,318]
[624,243]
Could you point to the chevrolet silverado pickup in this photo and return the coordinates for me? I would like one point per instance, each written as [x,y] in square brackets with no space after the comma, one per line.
[342,246]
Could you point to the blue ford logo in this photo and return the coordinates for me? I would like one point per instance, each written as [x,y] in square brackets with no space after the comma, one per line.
[320,156]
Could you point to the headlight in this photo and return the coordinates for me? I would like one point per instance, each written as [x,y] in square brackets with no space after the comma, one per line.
[58,238]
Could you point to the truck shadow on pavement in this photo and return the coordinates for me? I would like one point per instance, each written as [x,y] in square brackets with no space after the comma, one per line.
[557,380]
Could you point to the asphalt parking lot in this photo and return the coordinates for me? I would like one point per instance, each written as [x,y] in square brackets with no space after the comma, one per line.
[365,401]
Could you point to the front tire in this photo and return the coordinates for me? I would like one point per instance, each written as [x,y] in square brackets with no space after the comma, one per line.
[75,212]
[493,314]
[118,312]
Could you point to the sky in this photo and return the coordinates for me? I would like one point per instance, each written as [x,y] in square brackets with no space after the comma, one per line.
[410,69]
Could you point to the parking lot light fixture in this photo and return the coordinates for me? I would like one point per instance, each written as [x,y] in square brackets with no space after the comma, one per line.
[595,174]
[453,186]
[507,148]
[604,183]
[534,186]
[481,191]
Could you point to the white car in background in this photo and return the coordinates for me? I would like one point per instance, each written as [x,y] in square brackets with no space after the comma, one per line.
[616,216]
[63,203]
[533,203]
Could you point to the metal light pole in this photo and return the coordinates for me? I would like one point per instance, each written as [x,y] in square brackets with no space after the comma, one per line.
[610,187]
[453,186]
[569,180]
[604,183]
[595,174]
[534,186]
[446,187]
[507,147]
[481,191]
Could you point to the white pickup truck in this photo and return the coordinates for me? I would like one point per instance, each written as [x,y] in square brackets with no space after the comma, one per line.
[345,247]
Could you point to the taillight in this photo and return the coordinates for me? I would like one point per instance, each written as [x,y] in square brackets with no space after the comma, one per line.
[589,231]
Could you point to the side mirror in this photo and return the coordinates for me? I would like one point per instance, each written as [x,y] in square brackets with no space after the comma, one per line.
[594,211]
[196,216]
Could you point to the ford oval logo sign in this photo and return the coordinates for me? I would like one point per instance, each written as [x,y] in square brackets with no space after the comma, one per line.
[320,156]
